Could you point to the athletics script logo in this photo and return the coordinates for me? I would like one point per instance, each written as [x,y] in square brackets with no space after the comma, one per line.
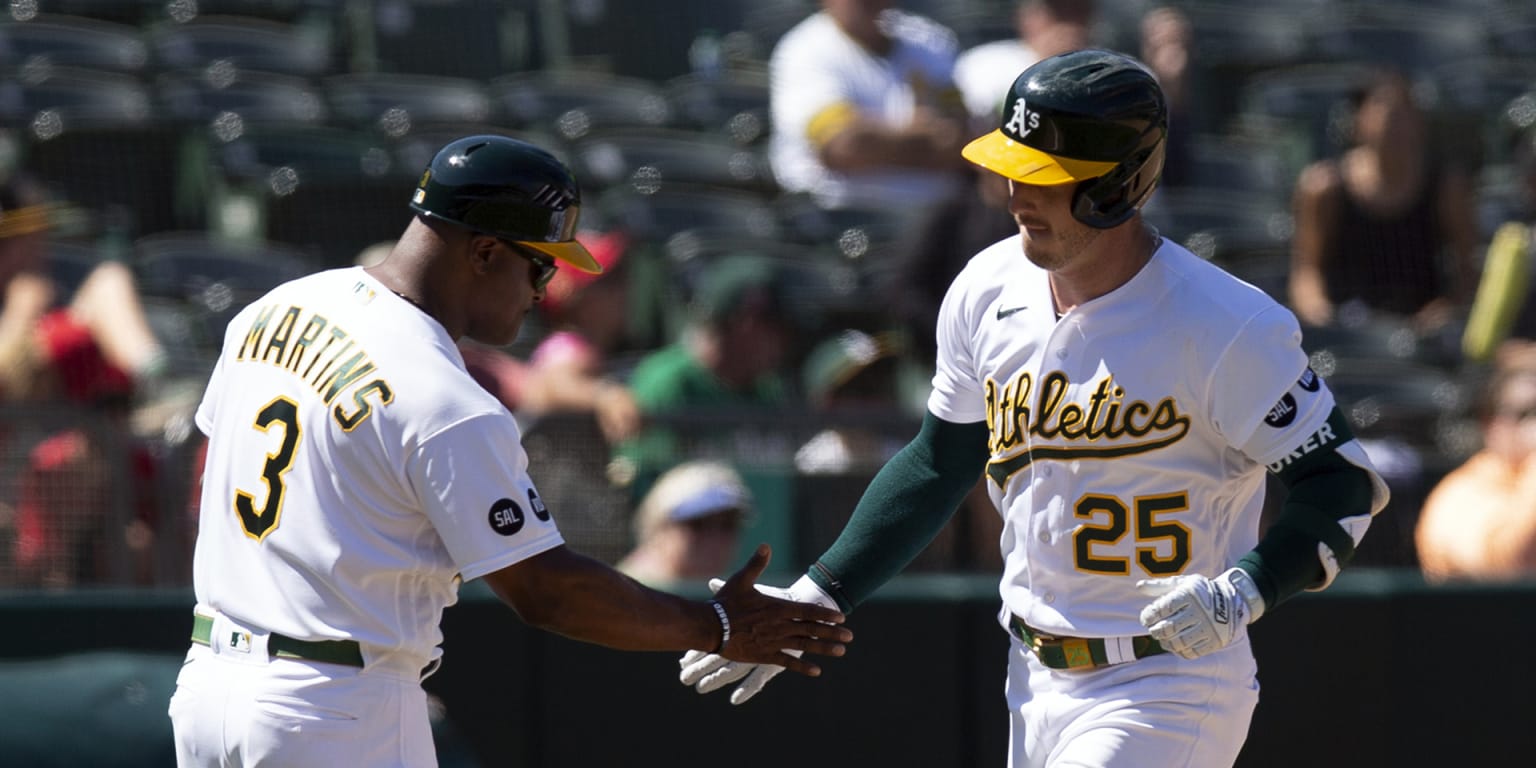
[1108,426]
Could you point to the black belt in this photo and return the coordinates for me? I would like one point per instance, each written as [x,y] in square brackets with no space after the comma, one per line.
[1076,652]
[346,652]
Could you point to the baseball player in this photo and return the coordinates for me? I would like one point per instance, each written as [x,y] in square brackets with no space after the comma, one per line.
[356,475]
[865,107]
[1124,399]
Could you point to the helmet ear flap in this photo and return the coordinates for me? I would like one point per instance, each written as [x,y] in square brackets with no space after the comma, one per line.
[1110,200]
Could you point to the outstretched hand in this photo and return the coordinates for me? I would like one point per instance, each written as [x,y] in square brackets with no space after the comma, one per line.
[767,629]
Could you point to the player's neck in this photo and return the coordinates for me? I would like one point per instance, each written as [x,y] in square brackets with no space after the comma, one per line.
[1108,263]
[407,285]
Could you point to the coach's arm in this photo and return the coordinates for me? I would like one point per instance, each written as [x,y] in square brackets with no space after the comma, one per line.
[570,594]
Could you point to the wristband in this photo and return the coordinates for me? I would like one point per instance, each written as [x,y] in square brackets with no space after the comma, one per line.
[725,624]
[1248,591]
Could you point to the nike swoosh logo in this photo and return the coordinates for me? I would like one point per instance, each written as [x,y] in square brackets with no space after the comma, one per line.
[1002,313]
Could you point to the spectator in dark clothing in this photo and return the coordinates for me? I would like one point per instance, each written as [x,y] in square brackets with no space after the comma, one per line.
[1384,229]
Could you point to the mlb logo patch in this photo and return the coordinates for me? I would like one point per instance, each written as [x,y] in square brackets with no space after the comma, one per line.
[240,641]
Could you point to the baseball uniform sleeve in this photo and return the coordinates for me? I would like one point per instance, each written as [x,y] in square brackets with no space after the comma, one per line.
[957,395]
[205,416]
[1255,383]
[473,482]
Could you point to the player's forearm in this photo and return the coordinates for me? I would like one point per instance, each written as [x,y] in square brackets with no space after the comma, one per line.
[1323,495]
[570,594]
[901,511]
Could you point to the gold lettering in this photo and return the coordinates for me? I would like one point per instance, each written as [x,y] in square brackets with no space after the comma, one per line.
[337,363]
[254,333]
[350,421]
[279,340]
[347,373]
[307,336]
[319,377]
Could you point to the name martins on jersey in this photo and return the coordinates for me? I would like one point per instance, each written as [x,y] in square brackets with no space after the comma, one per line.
[1011,418]
[322,354]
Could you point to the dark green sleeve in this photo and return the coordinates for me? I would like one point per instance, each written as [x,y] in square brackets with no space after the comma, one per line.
[903,509]
[1322,488]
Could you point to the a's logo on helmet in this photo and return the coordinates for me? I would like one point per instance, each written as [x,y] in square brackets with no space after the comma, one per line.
[425,177]
[1023,120]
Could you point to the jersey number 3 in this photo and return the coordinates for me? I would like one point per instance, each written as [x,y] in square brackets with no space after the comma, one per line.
[1111,521]
[258,523]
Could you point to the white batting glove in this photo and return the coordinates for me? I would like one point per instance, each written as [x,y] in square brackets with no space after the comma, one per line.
[1194,615]
[708,672]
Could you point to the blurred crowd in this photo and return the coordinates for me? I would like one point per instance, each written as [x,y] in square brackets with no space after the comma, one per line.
[778,220]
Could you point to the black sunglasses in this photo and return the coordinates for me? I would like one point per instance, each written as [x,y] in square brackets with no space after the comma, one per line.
[547,266]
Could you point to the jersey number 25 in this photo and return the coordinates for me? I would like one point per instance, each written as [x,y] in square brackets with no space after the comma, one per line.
[1111,521]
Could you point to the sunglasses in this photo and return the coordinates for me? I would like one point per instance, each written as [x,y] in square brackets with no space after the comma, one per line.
[546,265]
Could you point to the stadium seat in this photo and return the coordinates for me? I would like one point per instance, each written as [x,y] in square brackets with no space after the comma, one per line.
[1231,42]
[1303,109]
[329,191]
[1246,36]
[573,103]
[70,261]
[476,39]
[733,104]
[856,230]
[766,21]
[1415,40]
[322,12]
[213,276]
[662,213]
[246,43]
[1243,165]
[817,283]
[1513,33]
[1473,98]
[393,105]
[1214,222]
[1266,268]
[91,136]
[1404,400]
[72,41]
[652,159]
[201,96]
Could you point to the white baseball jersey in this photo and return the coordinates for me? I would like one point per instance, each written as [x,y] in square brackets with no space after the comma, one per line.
[1130,438]
[356,473]
[818,76]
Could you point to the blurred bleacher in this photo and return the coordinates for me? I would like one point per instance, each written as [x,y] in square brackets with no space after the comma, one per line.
[222,146]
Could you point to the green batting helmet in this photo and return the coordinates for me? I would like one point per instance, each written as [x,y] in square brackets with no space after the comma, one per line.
[507,188]
[1092,117]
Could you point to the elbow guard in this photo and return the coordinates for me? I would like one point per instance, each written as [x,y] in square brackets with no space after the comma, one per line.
[1331,498]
